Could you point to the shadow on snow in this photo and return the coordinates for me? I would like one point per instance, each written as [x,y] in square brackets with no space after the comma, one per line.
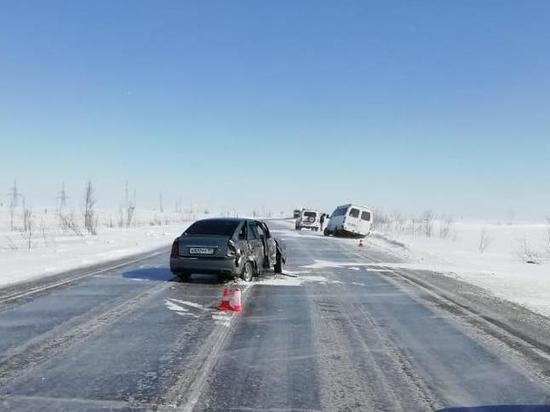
[163,274]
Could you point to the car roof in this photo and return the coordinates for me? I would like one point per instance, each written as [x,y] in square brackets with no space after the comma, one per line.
[230,219]
[225,219]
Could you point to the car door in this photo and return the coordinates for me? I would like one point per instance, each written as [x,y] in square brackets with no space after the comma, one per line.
[242,238]
[267,244]
[271,245]
[256,248]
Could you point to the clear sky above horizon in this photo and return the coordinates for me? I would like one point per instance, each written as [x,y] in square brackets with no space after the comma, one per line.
[405,105]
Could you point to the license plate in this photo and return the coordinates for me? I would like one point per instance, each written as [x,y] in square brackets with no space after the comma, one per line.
[201,251]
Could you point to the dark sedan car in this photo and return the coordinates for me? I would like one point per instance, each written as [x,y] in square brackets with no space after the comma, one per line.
[231,247]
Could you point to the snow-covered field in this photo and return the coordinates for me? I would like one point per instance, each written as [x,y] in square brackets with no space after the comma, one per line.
[511,261]
[47,249]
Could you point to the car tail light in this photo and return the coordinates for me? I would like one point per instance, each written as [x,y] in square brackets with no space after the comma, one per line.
[231,249]
[175,249]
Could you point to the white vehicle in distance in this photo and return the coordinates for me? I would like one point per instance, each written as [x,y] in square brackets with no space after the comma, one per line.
[349,220]
[308,219]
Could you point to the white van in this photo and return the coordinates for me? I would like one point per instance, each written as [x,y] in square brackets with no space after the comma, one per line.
[349,220]
[308,219]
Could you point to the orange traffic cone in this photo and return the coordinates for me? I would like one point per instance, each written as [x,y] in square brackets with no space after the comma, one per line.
[360,242]
[236,304]
[226,304]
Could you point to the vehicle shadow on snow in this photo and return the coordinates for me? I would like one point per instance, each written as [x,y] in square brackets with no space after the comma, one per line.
[206,279]
[163,274]
[159,274]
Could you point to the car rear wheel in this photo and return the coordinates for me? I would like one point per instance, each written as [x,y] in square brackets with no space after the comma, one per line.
[183,276]
[248,272]
[326,232]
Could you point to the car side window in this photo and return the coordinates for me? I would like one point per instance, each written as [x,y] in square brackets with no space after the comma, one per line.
[266,229]
[252,232]
[354,213]
[260,230]
[242,232]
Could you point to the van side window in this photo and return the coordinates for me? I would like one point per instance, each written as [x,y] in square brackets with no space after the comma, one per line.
[365,216]
[354,213]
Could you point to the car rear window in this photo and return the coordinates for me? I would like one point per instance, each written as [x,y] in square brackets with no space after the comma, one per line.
[354,213]
[365,216]
[310,214]
[213,227]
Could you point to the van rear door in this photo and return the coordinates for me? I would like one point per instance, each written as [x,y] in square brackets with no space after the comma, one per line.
[365,222]
[352,221]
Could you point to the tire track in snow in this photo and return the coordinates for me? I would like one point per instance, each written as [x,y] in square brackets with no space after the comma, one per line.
[27,357]
[186,391]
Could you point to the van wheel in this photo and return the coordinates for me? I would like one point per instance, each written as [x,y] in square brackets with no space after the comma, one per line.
[326,232]
[248,272]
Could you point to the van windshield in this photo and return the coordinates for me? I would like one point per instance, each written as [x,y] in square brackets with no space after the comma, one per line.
[339,212]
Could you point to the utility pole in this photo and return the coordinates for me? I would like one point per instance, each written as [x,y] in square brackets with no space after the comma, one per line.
[14,196]
[62,197]
[126,200]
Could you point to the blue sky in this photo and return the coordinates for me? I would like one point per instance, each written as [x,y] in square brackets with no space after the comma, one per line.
[404,105]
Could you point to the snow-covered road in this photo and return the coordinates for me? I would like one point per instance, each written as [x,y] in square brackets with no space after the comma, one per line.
[342,333]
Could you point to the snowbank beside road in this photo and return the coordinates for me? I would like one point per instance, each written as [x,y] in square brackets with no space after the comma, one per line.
[514,263]
[56,253]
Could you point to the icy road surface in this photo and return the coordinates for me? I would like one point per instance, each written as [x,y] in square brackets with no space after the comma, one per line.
[345,332]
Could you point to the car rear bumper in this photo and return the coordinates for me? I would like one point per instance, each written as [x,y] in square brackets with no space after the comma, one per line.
[225,266]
